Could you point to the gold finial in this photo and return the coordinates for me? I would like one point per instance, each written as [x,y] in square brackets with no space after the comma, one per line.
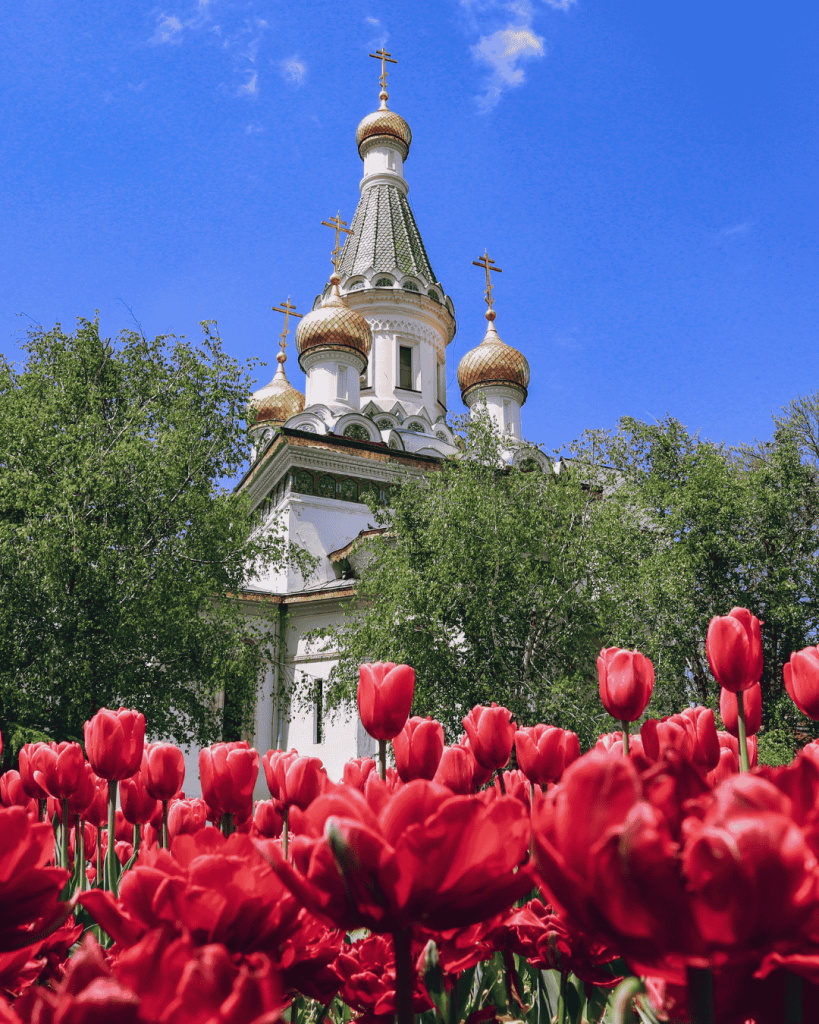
[289,310]
[488,265]
[339,226]
[385,59]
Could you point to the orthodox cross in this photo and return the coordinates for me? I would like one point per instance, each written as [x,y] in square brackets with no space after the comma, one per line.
[487,264]
[338,226]
[289,310]
[385,58]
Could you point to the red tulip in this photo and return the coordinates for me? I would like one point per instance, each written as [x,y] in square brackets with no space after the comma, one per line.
[626,683]
[137,804]
[418,749]
[97,811]
[706,743]
[59,769]
[186,817]
[228,772]
[491,734]
[480,775]
[752,701]
[163,770]
[267,820]
[455,770]
[801,675]
[356,772]
[114,742]
[544,752]
[734,649]
[385,697]
[26,759]
[13,794]
[83,796]
[275,764]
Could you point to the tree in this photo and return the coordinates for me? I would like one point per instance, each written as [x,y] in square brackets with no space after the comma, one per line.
[119,547]
[484,583]
[705,527]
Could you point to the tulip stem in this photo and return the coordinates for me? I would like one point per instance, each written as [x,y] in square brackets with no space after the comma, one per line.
[623,998]
[625,726]
[227,824]
[111,857]
[744,766]
[561,998]
[166,839]
[80,845]
[41,810]
[502,783]
[64,846]
[403,976]
[700,995]
[285,828]
[137,838]
[793,999]
[382,759]
[100,878]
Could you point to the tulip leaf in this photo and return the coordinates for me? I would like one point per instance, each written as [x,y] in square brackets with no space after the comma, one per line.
[434,978]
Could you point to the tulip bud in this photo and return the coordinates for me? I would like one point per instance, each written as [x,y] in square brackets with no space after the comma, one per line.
[455,770]
[59,769]
[114,742]
[300,781]
[706,742]
[186,817]
[97,810]
[480,775]
[514,784]
[228,774]
[26,761]
[13,794]
[385,693]
[544,751]
[267,820]
[137,804]
[801,675]
[83,796]
[163,770]
[356,772]
[418,749]
[491,734]
[734,649]
[752,702]
[626,683]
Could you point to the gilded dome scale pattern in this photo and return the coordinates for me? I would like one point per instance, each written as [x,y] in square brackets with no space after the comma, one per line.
[277,401]
[334,326]
[493,362]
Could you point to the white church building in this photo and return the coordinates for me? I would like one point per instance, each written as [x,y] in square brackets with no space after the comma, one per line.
[373,350]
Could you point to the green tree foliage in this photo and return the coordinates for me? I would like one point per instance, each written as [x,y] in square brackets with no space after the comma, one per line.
[484,585]
[118,546]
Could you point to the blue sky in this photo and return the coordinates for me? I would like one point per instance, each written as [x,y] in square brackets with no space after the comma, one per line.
[645,174]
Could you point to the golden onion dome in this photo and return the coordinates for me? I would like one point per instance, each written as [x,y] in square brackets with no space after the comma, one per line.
[279,400]
[384,122]
[334,326]
[493,362]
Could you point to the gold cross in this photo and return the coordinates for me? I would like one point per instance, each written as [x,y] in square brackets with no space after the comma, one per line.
[289,310]
[338,226]
[385,58]
[487,264]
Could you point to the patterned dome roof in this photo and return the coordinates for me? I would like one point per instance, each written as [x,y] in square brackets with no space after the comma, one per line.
[334,326]
[277,401]
[384,122]
[493,362]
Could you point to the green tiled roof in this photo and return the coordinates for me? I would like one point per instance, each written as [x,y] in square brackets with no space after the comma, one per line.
[385,237]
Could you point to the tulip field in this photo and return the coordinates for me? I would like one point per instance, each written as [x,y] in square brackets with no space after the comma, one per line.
[661,876]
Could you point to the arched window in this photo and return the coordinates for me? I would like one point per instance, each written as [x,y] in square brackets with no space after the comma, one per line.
[327,486]
[529,465]
[384,424]
[357,432]
[304,483]
[441,436]
[383,282]
[348,490]
[417,427]
[356,286]
[410,286]
[434,295]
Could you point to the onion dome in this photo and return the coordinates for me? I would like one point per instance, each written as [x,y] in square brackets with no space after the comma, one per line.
[279,400]
[385,125]
[334,326]
[493,362]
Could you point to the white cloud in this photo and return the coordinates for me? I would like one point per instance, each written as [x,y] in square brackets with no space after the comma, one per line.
[561,5]
[294,70]
[251,87]
[503,51]
[735,229]
[168,29]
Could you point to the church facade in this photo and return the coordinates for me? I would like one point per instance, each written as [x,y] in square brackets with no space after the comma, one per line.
[373,350]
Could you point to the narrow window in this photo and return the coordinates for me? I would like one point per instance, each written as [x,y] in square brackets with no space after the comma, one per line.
[318,710]
[507,415]
[442,384]
[341,383]
[405,367]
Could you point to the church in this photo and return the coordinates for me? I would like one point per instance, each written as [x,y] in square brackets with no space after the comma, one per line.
[373,350]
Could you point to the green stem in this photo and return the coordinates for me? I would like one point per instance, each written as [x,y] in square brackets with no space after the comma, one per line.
[403,977]
[99,879]
[137,837]
[166,839]
[80,844]
[623,997]
[700,995]
[743,743]
[111,856]
[285,827]
[382,759]
[227,824]
[64,847]
[625,726]
[561,999]
[502,783]
[793,999]
[41,809]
